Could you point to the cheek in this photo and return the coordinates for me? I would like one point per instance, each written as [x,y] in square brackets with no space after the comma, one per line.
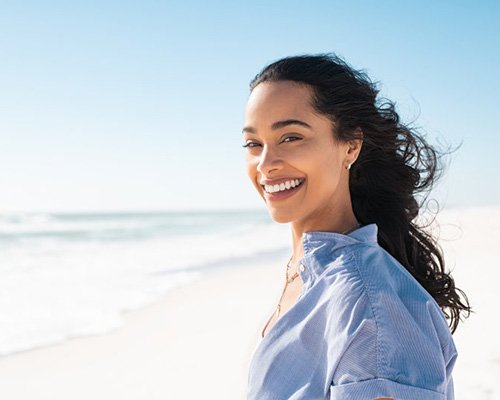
[250,167]
[251,171]
[324,172]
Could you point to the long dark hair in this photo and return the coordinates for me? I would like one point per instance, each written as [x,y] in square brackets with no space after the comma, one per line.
[395,165]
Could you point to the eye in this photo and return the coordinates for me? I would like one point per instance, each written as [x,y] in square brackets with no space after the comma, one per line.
[251,144]
[291,137]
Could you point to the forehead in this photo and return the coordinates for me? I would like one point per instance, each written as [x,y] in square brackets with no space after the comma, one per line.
[279,100]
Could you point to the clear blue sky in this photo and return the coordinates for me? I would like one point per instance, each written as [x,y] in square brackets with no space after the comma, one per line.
[121,105]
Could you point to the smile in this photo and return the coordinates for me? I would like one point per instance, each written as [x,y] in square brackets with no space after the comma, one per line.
[283,186]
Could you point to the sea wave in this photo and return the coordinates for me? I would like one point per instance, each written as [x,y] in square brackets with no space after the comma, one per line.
[68,275]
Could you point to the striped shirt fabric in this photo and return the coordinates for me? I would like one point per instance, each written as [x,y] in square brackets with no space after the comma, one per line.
[362,328]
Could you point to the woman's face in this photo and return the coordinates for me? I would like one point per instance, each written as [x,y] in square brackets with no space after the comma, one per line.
[289,143]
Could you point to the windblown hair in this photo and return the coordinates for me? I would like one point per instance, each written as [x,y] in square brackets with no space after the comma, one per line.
[394,165]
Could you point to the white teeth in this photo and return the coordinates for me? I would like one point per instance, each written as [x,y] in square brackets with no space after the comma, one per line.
[282,186]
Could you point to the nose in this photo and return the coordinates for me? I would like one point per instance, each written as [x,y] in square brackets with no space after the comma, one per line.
[269,160]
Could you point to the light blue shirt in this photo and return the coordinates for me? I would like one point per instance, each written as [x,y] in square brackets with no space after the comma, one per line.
[362,328]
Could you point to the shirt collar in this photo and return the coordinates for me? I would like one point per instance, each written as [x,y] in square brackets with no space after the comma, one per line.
[318,243]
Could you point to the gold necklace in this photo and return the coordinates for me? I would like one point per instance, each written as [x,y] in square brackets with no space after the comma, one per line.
[290,280]
[278,307]
[295,275]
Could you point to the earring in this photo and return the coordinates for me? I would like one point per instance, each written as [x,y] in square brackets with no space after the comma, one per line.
[349,166]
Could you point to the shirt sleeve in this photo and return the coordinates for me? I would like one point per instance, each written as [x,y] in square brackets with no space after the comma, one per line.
[379,387]
[386,351]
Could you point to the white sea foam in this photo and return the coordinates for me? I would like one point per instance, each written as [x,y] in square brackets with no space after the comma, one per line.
[63,276]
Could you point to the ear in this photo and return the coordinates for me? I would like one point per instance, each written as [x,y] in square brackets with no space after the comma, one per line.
[354,146]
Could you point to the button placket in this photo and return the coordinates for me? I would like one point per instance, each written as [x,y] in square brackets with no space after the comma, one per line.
[303,272]
[305,279]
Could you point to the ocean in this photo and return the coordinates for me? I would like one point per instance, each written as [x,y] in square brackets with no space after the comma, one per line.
[70,275]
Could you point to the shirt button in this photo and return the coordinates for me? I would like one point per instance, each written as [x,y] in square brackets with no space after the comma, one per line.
[302,268]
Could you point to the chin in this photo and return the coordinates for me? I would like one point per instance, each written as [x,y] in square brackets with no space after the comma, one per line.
[280,217]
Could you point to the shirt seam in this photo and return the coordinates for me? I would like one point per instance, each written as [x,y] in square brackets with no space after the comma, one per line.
[350,256]
[367,290]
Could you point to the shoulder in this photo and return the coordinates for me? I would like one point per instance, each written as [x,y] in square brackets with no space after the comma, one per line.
[403,309]
[394,294]
[392,324]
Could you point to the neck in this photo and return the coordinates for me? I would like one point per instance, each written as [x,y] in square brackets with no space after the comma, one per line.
[341,222]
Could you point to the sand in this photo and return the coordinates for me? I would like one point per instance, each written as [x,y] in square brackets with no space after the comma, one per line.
[198,340]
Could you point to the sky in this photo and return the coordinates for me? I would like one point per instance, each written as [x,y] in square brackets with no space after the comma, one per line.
[138,105]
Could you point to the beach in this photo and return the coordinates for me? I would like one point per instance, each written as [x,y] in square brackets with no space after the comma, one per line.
[196,340]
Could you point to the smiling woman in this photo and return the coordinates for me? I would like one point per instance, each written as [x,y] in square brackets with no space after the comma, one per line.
[363,310]
[307,145]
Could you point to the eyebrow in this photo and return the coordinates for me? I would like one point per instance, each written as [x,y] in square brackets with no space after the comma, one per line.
[280,124]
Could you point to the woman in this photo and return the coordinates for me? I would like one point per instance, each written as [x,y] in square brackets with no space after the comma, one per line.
[364,306]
